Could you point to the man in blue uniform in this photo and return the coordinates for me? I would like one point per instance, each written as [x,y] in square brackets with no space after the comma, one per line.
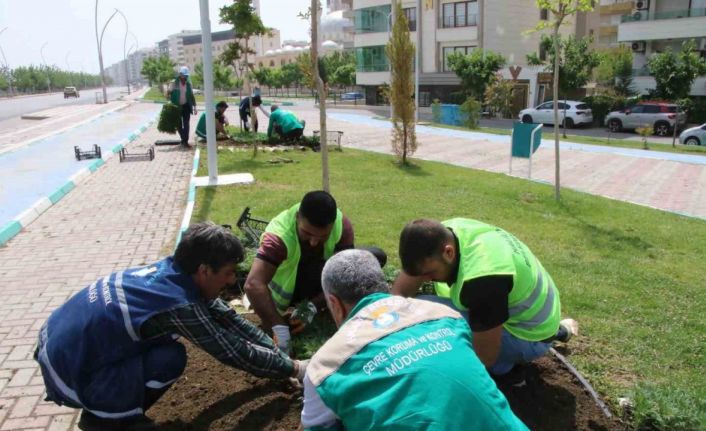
[111,350]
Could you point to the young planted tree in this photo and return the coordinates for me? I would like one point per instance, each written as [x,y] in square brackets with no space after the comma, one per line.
[315,12]
[675,72]
[400,52]
[246,25]
[560,10]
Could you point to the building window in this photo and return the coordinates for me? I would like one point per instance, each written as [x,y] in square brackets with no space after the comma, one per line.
[459,14]
[372,19]
[542,52]
[411,13]
[371,59]
[448,50]
[544,14]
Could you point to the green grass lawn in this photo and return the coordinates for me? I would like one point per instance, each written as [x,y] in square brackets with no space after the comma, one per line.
[632,276]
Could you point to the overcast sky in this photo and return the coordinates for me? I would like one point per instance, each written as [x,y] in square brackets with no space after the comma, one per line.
[67,27]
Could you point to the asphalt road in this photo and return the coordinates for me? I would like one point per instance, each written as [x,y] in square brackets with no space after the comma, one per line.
[21,105]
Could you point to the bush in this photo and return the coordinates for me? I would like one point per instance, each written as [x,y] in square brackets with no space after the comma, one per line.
[697,111]
[436,111]
[456,98]
[471,110]
[169,119]
[601,105]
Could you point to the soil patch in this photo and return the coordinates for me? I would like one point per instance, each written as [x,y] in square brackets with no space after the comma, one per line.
[212,396]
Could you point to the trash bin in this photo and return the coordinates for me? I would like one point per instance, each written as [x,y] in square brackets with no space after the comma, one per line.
[451,115]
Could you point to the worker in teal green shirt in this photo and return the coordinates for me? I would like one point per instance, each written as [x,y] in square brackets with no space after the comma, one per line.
[396,363]
[285,124]
[221,122]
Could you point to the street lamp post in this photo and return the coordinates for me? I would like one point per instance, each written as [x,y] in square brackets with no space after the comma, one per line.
[99,42]
[127,30]
[41,53]
[7,66]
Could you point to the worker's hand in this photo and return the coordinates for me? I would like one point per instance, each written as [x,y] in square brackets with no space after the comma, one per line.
[195,111]
[301,369]
[281,337]
[302,317]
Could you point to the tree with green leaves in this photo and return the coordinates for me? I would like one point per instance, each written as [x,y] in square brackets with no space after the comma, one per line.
[158,71]
[498,96]
[560,10]
[400,52]
[292,75]
[614,70]
[675,72]
[477,70]
[246,25]
[223,78]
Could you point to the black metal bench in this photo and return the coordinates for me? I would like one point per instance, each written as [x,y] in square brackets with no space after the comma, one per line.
[90,154]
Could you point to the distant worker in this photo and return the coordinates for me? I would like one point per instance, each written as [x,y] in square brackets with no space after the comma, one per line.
[245,112]
[285,124]
[396,363]
[510,300]
[111,349]
[221,122]
[182,95]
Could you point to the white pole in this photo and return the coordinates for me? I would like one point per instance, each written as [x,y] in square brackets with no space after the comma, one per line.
[208,92]
[417,59]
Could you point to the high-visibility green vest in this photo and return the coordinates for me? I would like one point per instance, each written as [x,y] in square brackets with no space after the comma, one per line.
[407,364]
[285,227]
[534,305]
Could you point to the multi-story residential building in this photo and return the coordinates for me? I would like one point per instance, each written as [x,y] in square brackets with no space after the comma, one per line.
[449,26]
[652,26]
[193,48]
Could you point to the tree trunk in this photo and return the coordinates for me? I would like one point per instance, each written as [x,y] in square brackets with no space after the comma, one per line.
[322,93]
[404,143]
[557,53]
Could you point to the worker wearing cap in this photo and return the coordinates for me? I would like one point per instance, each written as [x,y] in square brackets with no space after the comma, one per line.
[221,122]
[182,95]
[396,363]
[510,300]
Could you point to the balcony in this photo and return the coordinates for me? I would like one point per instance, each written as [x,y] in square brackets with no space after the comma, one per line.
[644,25]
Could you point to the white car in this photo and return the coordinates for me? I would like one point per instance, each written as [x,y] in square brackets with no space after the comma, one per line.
[694,136]
[577,113]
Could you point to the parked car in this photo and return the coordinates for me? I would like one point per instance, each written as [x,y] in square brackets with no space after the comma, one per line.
[196,91]
[660,115]
[693,136]
[577,113]
[352,96]
[70,92]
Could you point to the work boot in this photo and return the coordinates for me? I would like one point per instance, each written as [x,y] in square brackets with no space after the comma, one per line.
[140,423]
[567,329]
[91,422]
[514,378]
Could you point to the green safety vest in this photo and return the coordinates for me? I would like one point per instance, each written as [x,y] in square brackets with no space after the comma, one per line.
[407,364]
[534,305]
[285,227]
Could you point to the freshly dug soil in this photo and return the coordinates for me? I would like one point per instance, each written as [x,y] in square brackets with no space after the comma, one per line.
[212,396]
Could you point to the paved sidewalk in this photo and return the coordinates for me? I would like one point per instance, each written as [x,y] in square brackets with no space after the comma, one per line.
[623,174]
[125,214]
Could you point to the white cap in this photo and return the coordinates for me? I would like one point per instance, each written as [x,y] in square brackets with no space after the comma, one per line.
[183,70]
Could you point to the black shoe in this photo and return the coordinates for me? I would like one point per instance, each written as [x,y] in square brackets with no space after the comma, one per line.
[140,423]
[514,378]
[91,422]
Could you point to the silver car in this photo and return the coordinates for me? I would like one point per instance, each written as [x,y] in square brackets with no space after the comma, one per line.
[693,136]
[661,116]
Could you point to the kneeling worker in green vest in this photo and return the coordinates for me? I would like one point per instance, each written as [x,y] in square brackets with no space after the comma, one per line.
[221,122]
[389,353]
[287,267]
[509,299]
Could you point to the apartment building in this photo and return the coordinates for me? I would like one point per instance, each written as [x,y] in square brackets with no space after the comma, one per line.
[449,26]
[652,26]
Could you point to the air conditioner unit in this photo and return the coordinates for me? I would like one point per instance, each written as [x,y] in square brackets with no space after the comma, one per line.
[638,46]
[642,4]
[640,15]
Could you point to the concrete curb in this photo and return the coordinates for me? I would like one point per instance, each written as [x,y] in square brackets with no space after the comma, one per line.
[15,226]
[191,198]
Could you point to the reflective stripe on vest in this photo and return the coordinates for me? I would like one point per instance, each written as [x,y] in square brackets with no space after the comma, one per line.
[277,293]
